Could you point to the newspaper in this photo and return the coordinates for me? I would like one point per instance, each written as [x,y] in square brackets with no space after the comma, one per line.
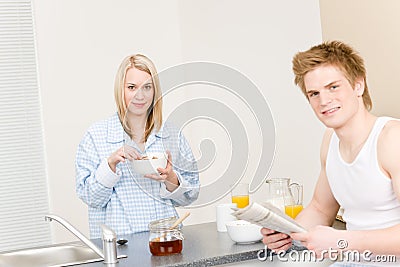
[269,216]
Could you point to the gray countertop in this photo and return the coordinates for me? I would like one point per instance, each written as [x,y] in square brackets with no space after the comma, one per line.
[203,246]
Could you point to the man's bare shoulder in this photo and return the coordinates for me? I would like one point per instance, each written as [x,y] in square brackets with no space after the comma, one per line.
[327,137]
[328,132]
[325,144]
[389,148]
[393,123]
[391,132]
[389,151]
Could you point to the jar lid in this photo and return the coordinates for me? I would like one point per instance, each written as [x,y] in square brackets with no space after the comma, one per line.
[162,224]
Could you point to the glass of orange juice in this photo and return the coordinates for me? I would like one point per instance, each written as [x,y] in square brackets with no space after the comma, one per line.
[240,195]
[294,201]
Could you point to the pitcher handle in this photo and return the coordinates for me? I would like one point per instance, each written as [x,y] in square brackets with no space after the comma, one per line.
[297,192]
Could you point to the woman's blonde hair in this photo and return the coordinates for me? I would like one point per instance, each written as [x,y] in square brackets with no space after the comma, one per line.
[154,113]
[334,53]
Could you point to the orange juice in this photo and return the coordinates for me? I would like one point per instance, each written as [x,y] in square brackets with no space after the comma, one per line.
[293,210]
[241,201]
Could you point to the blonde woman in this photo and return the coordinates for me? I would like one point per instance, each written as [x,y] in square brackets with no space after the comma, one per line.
[116,195]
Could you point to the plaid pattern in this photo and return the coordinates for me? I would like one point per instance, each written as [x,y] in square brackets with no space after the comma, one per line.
[127,201]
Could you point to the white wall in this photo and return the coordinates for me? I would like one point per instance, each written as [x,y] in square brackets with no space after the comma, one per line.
[80,44]
[259,40]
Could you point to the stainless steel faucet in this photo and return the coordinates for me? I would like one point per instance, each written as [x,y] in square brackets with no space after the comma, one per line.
[109,244]
[108,237]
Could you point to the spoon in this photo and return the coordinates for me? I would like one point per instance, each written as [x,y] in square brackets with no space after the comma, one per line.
[177,222]
[122,241]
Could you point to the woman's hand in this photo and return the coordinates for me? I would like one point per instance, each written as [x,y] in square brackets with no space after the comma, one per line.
[275,240]
[121,154]
[167,175]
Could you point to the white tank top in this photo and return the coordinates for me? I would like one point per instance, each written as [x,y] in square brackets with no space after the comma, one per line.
[360,187]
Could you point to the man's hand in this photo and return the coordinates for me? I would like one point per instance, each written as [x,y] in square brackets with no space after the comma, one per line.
[321,238]
[276,240]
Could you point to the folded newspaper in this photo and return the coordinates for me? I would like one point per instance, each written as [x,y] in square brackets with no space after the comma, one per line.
[269,216]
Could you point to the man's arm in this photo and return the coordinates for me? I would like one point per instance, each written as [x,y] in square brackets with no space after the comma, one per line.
[323,207]
[389,153]
[381,241]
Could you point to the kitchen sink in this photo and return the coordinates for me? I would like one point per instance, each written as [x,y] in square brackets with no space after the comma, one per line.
[49,256]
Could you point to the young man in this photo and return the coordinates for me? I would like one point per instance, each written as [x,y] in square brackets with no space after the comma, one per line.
[360,158]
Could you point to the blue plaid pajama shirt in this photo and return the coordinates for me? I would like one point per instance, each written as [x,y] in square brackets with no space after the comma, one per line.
[124,200]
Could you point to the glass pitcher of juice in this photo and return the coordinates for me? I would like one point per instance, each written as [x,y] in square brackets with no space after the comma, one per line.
[286,196]
[294,203]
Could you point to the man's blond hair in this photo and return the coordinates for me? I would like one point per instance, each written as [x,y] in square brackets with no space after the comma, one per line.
[333,53]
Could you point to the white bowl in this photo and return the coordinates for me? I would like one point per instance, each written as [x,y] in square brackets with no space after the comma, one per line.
[243,232]
[150,165]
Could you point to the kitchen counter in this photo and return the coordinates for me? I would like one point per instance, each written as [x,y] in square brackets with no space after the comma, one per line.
[203,246]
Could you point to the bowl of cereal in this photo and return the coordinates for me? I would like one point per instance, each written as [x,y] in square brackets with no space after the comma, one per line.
[244,232]
[149,163]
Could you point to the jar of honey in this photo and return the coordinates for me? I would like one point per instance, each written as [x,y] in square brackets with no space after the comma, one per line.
[164,240]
